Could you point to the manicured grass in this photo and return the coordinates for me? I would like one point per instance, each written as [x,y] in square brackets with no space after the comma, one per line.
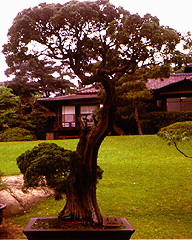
[144,180]
[150,184]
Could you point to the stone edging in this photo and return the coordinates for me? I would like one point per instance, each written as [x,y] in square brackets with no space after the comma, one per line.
[16,200]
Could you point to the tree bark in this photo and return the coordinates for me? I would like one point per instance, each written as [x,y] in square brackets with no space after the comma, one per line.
[81,193]
[136,113]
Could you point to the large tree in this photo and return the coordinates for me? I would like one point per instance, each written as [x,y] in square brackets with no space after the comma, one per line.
[99,43]
[34,76]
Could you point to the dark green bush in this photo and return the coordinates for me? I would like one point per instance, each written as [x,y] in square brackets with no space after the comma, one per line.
[154,121]
[16,134]
[51,165]
[47,164]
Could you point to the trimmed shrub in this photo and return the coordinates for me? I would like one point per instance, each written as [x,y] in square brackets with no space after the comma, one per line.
[16,134]
[47,164]
[177,131]
[50,165]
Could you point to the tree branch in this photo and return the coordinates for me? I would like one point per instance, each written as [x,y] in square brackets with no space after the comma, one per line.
[175,144]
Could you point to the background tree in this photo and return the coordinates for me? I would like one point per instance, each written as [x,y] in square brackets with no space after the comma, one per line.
[176,133]
[99,43]
[34,76]
[133,97]
[14,113]
[9,105]
[8,99]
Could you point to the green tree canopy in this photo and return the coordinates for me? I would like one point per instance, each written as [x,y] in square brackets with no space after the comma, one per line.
[9,105]
[16,114]
[80,34]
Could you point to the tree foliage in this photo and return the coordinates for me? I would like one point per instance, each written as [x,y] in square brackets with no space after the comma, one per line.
[177,132]
[133,97]
[9,105]
[34,76]
[47,164]
[15,113]
[50,165]
[81,34]
[7,99]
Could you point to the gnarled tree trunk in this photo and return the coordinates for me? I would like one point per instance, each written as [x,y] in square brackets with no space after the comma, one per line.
[81,194]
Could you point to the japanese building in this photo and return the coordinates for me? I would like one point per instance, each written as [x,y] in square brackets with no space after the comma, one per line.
[69,114]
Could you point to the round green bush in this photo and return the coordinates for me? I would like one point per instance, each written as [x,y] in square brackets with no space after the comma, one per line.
[16,134]
[50,165]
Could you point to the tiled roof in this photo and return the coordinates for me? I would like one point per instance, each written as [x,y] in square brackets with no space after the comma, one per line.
[156,83]
[91,92]
[91,89]
[69,97]
[83,93]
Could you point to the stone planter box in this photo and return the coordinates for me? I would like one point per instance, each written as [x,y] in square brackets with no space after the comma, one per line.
[111,233]
[2,207]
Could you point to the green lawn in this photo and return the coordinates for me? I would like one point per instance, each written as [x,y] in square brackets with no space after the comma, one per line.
[145,181]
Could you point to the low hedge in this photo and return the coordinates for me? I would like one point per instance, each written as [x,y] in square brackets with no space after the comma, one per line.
[16,134]
[154,121]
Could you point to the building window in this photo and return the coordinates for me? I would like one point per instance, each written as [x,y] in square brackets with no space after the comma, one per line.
[68,116]
[186,104]
[86,114]
[179,104]
[159,103]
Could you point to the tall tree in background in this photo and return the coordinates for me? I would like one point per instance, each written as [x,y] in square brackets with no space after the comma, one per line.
[7,99]
[133,97]
[13,113]
[99,43]
[10,108]
[34,76]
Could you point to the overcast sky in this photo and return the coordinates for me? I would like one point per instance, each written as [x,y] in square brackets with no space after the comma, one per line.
[176,14]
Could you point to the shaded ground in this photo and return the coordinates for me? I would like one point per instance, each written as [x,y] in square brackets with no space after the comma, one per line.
[10,231]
